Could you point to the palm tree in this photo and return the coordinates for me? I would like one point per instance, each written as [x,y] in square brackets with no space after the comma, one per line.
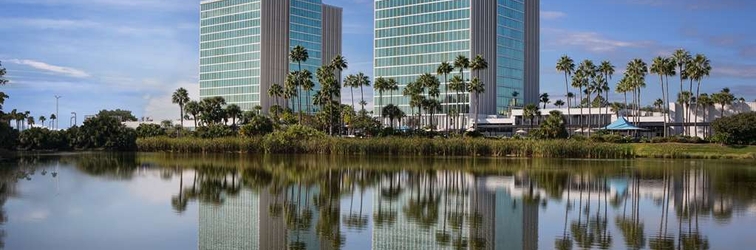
[30,121]
[623,87]
[669,70]
[607,69]
[705,102]
[307,86]
[233,111]
[658,104]
[682,58]
[52,118]
[637,70]
[276,91]
[477,64]
[723,98]
[545,99]
[392,86]
[457,84]
[351,82]
[181,97]
[462,63]
[431,84]
[476,87]
[192,108]
[445,68]
[380,85]
[566,65]
[290,89]
[362,81]
[659,67]
[578,81]
[529,112]
[299,54]
[700,68]
[515,94]
[392,112]
[683,98]
[339,63]
[559,103]
[414,91]
[42,120]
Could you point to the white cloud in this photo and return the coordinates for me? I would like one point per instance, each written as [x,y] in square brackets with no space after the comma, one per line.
[66,71]
[591,41]
[160,107]
[44,23]
[551,15]
[166,5]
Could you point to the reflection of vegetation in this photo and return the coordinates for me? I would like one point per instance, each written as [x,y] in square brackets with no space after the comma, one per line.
[436,194]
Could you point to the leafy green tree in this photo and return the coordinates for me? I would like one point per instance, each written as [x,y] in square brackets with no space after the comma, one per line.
[149,130]
[105,132]
[180,97]
[259,125]
[125,115]
[554,126]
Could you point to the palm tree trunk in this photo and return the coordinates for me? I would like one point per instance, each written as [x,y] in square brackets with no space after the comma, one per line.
[695,112]
[581,110]
[362,98]
[590,107]
[446,100]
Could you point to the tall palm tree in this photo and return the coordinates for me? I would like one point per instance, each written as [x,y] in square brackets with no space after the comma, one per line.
[53,117]
[429,84]
[414,91]
[392,85]
[362,81]
[30,121]
[307,86]
[623,87]
[461,63]
[457,85]
[595,86]
[380,85]
[705,101]
[476,87]
[339,63]
[669,70]
[192,108]
[578,81]
[299,55]
[567,66]
[658,104]
[659,67]
[607,69]
[682,59]
[637,70]
[181,97]
[544,99]
[290,89]
[477,64]
[351,82]
[445,68]
[700,68]
[683,98]
[42,120]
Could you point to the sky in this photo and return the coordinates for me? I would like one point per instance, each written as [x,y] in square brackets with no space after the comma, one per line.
[108,54]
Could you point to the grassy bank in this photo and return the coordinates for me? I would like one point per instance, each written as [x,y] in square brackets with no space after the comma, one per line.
[444,147]
[693,151]
[390,146]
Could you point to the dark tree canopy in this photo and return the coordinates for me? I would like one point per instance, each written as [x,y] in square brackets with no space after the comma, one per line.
[124,114]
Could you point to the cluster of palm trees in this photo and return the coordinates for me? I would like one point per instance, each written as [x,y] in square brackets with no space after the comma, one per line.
[425,93]
[24,120]
[590,79]
[210,111]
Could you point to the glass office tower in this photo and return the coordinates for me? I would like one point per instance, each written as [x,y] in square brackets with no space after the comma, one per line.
[413,37]
[244,46]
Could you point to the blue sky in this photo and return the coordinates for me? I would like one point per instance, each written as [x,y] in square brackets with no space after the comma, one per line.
[131,54]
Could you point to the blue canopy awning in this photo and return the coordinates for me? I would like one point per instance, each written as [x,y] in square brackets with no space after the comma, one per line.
[621,124]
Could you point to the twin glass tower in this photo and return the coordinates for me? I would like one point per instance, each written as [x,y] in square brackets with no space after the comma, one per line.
[244,46]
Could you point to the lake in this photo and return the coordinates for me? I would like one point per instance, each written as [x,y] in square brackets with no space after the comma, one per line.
[172,201]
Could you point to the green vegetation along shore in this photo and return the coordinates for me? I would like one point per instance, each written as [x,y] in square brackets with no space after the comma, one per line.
[445,147]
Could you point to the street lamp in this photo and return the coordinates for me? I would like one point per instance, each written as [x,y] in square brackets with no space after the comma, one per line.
[72,121]
[57,97]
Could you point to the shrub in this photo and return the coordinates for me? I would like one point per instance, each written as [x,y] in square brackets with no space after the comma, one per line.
[259,125]
[739,129]
[8,136]
[473,134]
[104,132]
[214,131]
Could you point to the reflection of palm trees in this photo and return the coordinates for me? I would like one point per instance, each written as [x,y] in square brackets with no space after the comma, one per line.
[661,240]
[632,228]
[565,242]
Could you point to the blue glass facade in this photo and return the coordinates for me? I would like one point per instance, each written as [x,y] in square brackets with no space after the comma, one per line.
[413,37]
[305,29]
[230,51]
[510,52]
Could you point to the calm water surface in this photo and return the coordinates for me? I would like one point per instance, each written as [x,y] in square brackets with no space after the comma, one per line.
[159,201]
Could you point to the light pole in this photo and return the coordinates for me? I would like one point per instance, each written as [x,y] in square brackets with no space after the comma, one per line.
[72,122]
[57,115]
